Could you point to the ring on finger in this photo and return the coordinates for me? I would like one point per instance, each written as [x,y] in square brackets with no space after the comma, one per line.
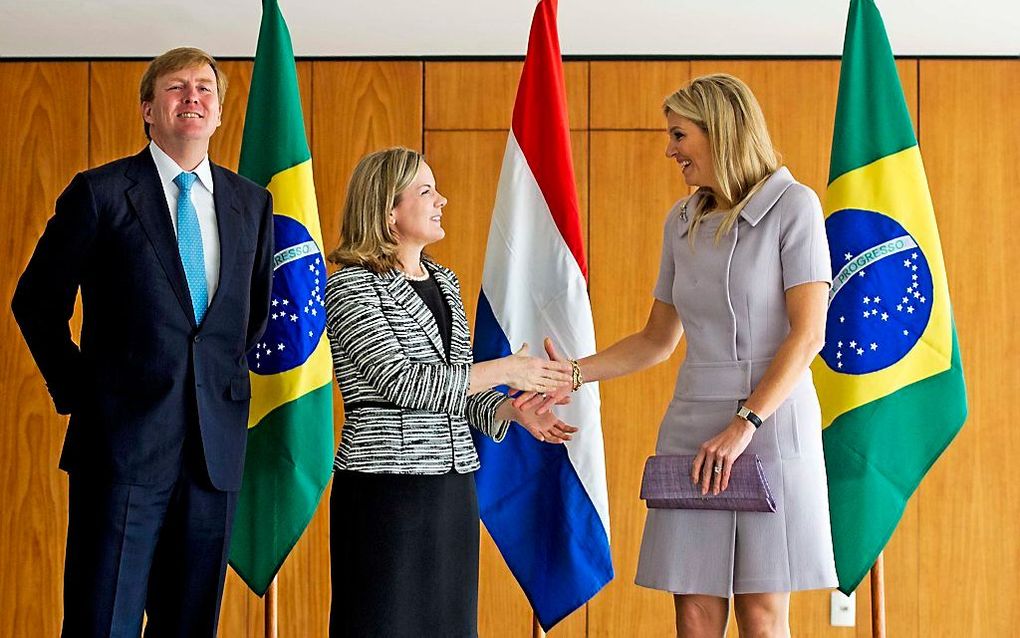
[718,468]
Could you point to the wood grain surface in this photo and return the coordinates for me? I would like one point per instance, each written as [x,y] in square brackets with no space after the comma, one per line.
[480,95]
[955,557]
[42,145]
[969,506]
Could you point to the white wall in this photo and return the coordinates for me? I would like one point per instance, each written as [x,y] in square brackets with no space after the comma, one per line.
[144,28]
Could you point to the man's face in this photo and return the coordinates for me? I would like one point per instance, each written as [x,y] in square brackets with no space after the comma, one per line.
[185,106]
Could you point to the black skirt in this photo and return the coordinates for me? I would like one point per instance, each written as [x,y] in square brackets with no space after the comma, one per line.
[404,556]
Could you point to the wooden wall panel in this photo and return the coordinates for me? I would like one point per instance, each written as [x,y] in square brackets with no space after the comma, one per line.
[359,107]
[970,502]
[42,146]
[633,186]
[799,100]
[115,124]
[956,549]
[629,95]
[480,95]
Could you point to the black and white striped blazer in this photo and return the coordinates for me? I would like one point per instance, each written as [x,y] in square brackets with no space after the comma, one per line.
[410,405]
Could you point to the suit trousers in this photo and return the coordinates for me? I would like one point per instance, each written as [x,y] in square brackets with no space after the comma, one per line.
[161,549]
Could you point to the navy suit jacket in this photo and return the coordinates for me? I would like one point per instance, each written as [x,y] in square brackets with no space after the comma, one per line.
[144,371]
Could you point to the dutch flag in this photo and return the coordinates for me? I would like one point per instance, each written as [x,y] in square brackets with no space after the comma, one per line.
[545,506]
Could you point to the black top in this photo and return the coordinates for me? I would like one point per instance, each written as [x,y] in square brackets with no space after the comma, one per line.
[429,292]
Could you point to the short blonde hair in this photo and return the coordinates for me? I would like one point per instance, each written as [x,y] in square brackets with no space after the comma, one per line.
[366,238]
[742,154]
[175,60]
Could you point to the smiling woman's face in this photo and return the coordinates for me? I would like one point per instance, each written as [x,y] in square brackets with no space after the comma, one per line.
[417,217]
[689,147]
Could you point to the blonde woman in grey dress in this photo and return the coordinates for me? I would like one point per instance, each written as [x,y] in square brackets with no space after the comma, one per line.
[745,272]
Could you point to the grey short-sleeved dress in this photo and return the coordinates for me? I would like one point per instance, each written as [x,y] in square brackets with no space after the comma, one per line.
[730,299]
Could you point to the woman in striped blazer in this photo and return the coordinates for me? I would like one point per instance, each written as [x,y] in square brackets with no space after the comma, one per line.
[403,512]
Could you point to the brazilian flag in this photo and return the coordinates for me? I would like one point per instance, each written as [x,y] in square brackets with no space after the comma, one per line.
[889,378]
[290,426]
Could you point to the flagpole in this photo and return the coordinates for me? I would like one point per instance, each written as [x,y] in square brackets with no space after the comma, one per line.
[272,626]
[536,629]
[878,597]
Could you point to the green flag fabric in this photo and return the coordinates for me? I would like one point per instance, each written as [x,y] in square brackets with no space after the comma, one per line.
[290,435]
[889,378]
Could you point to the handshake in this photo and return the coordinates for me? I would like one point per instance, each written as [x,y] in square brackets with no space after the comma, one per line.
[536,384]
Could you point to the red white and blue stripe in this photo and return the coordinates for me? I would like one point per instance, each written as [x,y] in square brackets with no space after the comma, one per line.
[546,506]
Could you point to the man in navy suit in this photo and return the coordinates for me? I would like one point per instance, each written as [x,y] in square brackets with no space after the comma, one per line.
[172,255]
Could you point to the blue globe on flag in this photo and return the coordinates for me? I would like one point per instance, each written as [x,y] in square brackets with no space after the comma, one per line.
[881,296]
[297,317]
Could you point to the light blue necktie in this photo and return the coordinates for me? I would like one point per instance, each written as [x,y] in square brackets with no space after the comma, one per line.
[189,244]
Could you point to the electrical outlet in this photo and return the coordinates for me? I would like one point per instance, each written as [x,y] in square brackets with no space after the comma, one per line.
[843,609]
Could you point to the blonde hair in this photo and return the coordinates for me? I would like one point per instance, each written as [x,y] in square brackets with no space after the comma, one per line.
[175,60]
[742,154]
[366,238]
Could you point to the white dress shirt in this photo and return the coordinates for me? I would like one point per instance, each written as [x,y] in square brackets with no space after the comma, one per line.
[202,198]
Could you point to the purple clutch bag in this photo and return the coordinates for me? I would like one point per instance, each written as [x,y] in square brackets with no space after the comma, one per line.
[666,484]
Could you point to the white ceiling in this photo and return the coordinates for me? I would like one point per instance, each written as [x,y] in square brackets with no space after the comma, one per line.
[229,28]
